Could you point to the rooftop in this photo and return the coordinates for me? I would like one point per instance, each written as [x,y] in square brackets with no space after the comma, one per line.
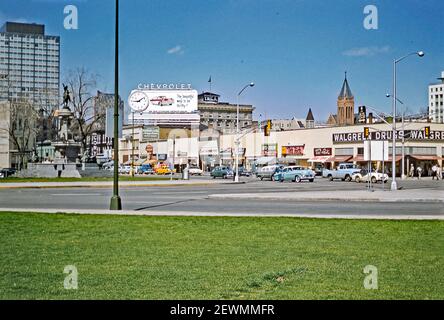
[23,28]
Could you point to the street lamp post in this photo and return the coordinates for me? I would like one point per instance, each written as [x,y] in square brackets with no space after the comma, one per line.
[394,185]
[116,202]
[403,176]
[132,148]
[237,142]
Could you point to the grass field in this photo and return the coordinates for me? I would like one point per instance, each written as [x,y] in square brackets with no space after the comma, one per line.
[136,257]
[89,179]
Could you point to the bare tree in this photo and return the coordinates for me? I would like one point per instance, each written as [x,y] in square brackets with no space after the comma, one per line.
[81,84]
[21,129]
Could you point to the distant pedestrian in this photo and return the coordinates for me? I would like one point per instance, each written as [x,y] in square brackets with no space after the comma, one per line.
[434,172]
[419,172]
[412,171]
[438,172]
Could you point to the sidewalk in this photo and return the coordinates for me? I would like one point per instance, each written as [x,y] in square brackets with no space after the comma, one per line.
[412,195]
[109,184]
[214,214]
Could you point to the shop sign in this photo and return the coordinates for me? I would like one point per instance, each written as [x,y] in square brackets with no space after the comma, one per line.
[150,133]
[293,150]
[319,152]
[387,135]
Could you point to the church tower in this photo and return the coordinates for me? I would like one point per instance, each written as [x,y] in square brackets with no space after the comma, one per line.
[346,105]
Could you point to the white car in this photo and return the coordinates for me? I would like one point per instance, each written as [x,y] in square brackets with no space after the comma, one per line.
[125,169]
[195,171]
[363,176]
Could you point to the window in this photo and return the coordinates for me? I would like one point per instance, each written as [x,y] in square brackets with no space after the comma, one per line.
[344,151]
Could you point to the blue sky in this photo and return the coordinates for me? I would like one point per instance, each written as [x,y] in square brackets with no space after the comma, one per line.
[296,51]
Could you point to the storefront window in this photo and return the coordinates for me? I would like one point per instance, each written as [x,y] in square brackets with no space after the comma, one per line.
[344,151]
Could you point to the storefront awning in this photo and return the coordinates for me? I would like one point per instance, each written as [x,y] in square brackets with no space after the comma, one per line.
[320,159]
[422,157]
[397,158]
[339,159]
[358,158]
[266,160]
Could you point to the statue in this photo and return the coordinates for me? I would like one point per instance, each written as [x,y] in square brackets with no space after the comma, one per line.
[66,96]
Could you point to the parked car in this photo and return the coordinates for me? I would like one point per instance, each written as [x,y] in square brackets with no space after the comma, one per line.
[125,169]
[363,176]
[244,172]
[344,172]
[221,172]
[297,174]
[7,172]
[279,174]
[145,169]
[195,171]
[107,165]
[268,172]
[163,169]
[318,170]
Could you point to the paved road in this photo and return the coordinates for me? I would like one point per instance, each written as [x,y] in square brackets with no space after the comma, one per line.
[195,199]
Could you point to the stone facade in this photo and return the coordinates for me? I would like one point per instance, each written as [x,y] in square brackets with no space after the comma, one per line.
[221,116]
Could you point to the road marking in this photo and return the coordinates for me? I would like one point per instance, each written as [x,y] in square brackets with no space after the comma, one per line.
[76,194]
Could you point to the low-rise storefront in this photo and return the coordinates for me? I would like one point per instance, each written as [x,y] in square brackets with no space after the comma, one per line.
[327,147]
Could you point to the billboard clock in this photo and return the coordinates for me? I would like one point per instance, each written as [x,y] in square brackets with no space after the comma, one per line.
[138,101]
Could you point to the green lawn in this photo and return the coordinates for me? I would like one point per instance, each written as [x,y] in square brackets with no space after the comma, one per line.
[121,257]
[121,178]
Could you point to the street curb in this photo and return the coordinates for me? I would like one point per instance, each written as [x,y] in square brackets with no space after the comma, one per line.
[227,215]
[110,186]
[274,198]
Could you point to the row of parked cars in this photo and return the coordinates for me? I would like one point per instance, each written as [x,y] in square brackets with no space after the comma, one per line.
[147,169]
[344,172]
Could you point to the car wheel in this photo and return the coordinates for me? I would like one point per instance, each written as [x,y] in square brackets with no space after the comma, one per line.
[262,178]
[224,176]
[348,178]
[330,177]
[311,180]
[374,180]
[297,179]
[357,179]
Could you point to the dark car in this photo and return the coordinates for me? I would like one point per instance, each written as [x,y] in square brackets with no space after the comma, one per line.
[6,172]
[244,172]
[221,172]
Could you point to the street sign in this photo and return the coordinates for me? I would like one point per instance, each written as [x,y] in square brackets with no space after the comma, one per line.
[376,150]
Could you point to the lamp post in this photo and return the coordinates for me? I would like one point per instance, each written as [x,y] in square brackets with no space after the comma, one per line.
[174,157]
[394,185]
[132,148]
[237,142]
[403,176]
[116,202]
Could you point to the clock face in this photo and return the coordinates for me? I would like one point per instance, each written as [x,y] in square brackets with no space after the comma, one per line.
[138,101]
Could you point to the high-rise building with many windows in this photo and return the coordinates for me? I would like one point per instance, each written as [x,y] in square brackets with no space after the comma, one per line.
[29,65]
[436,101]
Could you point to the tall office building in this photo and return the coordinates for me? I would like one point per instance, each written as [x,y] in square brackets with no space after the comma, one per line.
[436,101]
[29,65]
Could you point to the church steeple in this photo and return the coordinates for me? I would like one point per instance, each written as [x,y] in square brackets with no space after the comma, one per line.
[346,105]
[345,91]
